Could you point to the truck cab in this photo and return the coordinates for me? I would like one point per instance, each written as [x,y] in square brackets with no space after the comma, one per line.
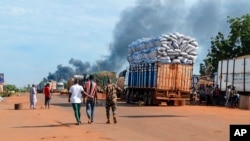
[125,91]
[60,86]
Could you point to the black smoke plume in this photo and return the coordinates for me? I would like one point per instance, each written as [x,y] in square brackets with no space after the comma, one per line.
[201,20]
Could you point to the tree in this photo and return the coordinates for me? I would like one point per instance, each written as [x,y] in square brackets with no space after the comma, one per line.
[236,44]
[9,89]
[240,34]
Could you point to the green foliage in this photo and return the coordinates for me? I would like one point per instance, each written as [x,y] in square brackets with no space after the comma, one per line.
[10,88]
[6,94]
[202,69]
[235,44]
[24,89]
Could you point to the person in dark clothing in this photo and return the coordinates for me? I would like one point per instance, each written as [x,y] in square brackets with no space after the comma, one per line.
[209,92]
[202,94]
[111,100]
[216,95]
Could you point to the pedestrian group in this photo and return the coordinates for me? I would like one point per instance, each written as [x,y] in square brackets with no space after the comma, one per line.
[88,94]
[78,94]
[213,96]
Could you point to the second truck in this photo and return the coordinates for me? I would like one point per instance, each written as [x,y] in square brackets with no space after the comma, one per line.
[157,83]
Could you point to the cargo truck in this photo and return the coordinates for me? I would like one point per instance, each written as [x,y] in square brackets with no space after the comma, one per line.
[60,87]
[234,72]
[158,83]
[81,78]
[53,86]
[39,88]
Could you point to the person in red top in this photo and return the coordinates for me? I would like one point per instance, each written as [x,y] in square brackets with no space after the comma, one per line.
[47,95]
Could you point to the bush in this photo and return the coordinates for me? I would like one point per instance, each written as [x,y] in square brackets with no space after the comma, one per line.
[6,94]
[10,88]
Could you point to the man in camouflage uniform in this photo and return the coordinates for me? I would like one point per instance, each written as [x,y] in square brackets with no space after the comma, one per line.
[111,100]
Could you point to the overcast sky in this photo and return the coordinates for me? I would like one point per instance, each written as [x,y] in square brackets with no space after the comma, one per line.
[38,35]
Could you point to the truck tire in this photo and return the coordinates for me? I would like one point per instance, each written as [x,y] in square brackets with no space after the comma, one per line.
[150,98]
[170,102]
[127,97]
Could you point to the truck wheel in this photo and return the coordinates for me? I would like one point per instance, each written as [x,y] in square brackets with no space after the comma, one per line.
[150,98]
[145,98]
[170,102]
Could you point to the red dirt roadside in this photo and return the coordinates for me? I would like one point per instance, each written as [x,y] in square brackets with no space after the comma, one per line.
[135,123]
[39,124]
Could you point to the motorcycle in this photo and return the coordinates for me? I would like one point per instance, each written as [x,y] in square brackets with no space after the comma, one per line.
[233,101]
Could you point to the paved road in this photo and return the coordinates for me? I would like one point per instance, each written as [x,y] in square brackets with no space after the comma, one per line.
[185,123]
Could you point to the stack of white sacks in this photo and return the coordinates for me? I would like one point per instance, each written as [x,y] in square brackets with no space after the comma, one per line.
[166,48]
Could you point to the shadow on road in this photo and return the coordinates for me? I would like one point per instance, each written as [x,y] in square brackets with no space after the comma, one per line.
[152,116]
[62,104]
[70,105]
[60,124]
[101,103]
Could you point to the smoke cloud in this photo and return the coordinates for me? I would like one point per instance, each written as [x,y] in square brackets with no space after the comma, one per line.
[149,18]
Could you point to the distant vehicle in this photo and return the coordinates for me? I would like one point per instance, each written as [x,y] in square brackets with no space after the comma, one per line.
[64,91]
[60,86]
[39,88]
[53,86]
[82,78]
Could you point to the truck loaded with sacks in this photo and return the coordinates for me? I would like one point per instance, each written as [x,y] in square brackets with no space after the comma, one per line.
[160,69]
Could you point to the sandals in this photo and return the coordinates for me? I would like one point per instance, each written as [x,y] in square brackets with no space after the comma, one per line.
[108,122]
[89,121]
[78,123]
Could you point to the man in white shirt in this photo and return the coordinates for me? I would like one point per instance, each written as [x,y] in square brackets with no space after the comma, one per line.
[75,97]
[33,98]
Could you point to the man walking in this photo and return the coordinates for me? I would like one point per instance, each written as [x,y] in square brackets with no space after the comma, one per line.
[111,100]
[91,97]
[75,97]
